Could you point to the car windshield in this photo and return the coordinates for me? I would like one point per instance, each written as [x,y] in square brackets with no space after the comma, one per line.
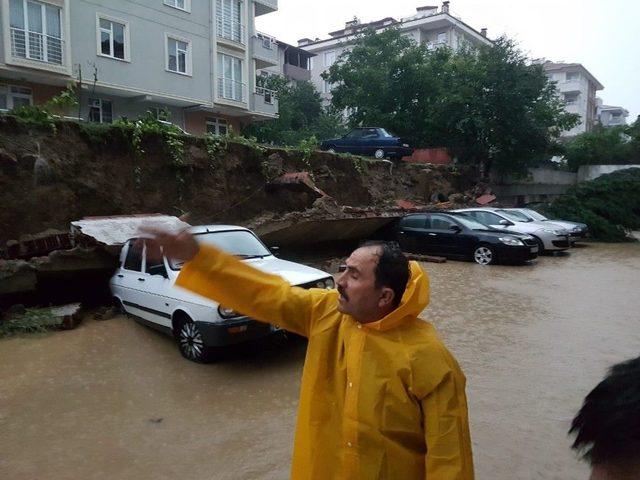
[240,243]
[384,133]
[535,215]
[514,216]
[470,223]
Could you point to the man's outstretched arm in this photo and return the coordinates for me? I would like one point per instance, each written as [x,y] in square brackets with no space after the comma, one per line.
[223,278]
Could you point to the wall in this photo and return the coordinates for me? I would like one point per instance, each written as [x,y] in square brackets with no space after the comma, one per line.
[591,172]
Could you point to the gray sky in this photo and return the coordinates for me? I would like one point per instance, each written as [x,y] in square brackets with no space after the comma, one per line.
[602,35]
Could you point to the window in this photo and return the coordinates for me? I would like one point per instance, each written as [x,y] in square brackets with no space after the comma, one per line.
[217,126]
[571,98]
[229,20]
[311,62]
[113,38]
[573,76]
[178,55]
[326,87]
[12,96]
[134,257]
[160,113]
[440,222]
[179,4]
[486,218]
[154,263]
[100,111]
[414,221]
[230,84]
[36,31]
[329,58]
[442,37]
[355,134]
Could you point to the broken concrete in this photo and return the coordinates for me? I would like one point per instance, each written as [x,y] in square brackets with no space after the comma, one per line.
[17,276]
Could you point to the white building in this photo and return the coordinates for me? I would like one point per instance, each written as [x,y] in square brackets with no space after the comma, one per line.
[610,116]
[429,26]
[577,87]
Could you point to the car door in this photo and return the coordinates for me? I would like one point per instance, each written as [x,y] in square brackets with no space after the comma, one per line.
[449,242]
[370,141]
[160,294]
[412,232]
[132,279]
[351,142]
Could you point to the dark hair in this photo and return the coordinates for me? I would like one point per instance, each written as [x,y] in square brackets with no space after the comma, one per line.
[607,428]
[392,269]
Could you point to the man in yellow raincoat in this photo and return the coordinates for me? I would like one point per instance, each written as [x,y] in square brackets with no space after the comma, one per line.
[381,397]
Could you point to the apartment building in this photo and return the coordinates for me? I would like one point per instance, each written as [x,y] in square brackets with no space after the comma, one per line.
[294,63]
[611,116]
[577,87]
[432,26]
[193,59]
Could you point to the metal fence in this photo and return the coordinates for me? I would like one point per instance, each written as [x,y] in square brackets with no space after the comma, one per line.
[37,46]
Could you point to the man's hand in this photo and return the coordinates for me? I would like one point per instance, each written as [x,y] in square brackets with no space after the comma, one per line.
[177,246]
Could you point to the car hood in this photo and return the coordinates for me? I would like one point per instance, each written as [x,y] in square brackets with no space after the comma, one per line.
[501,233]
[294,273]
[567,225]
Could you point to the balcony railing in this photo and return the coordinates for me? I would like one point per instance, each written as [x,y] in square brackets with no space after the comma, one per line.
[231,30]
[37,46]
[232,89]
[268,94]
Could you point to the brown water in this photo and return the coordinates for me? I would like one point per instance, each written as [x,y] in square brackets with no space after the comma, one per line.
[114,400]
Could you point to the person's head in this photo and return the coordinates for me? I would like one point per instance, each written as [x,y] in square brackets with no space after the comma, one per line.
[607,428]
[374,281]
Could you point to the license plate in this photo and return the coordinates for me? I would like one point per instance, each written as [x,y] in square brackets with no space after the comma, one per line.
[534,249]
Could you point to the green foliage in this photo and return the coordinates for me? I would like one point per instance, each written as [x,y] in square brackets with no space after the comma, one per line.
[33,320]
[307,146]
[610,205]
[604,146]
[301,115]
[148,127]
[488,105]
[46,115]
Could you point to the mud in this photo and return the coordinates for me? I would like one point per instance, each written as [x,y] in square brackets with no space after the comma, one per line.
[114,399]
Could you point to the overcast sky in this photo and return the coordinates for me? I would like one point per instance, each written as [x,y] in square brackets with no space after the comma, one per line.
[602,35]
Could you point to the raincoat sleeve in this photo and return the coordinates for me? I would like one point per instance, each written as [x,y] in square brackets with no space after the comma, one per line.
[265,297]
[446,428]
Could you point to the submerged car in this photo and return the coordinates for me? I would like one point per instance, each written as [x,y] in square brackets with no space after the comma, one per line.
[550,238]
[146,289]
[577,230]
[370,141]
[460,236]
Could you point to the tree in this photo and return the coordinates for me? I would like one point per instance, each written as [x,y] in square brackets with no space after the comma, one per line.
[488,105]
[301,115]
[602,146]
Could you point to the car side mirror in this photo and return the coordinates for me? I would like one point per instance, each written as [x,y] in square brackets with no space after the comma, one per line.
[455,228]
[506,223]
[275,251]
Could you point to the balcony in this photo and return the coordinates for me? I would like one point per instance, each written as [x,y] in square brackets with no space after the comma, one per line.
[296,73]
[231,31]
[263,7]
[233,90]
[265,101]
[37,47]
[265,50]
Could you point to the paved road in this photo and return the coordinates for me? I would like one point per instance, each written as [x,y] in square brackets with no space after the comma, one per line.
[114,400]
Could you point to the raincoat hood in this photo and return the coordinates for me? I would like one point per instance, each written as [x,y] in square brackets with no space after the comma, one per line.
[414,300]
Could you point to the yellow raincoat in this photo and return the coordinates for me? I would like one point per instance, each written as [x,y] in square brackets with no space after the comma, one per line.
[382,400]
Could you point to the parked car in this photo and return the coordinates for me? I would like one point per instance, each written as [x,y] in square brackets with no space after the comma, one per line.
[549,238]
[577,231]
[460,236]
[371,141]
[145,289]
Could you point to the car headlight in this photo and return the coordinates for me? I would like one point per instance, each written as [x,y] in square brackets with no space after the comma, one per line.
[406,145]
[576,229]
[511,241]
[554,232]
[227,312]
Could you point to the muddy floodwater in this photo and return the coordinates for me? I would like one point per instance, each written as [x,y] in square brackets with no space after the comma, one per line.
[114,400]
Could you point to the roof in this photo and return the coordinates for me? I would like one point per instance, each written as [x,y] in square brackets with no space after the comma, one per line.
[288,46]
[548,66]
[215,228]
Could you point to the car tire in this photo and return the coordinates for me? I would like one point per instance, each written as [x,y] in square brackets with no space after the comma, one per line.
[541,249]
[190,341]
[118,307]
[484,254]
[379,154]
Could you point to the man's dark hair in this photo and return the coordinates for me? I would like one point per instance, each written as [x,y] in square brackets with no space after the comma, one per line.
[392,270]
[607,428]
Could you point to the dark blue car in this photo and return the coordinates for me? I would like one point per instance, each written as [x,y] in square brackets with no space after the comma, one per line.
[371,141]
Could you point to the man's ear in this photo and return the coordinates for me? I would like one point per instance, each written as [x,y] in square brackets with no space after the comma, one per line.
[386,297]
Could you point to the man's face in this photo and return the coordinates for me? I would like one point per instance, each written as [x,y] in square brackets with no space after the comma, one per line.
[359,296]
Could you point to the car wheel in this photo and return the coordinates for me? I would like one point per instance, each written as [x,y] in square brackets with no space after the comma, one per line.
[484,255]
[541,249]
[190,341]
[118,307]
[379,154]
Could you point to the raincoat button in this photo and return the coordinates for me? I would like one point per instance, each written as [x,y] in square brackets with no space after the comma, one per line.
[350,384]
[349,444]
[359,326]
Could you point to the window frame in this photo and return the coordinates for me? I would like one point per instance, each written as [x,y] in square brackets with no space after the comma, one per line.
[217,122]
[9,95]
[233,79]
[127,38]
[188,58]
[172,4]
[324,58]
[101,100]
[44,48]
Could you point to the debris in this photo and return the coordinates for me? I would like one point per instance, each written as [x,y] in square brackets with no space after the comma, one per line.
[69,315]
[485,199]
[40,244]
[105,313]
[116,230]
[17,276]
[425,258]
[297,181]
[32,320]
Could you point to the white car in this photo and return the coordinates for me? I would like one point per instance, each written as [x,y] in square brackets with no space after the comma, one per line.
[550,238]
[146,290]
[577,231]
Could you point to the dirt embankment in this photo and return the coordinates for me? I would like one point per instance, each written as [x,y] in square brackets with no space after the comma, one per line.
[49,179]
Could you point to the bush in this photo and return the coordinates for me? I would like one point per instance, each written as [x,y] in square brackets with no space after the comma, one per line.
[610,205]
